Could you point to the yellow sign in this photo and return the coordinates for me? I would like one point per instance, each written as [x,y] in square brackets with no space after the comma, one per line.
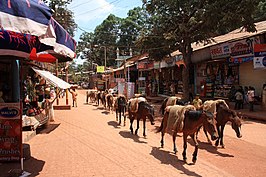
[100,69]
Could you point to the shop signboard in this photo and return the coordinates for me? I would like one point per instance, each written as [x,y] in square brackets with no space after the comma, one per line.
[121,88]
[100,84]
[100,69]
[130,89]
[150,65]
[260,50]
[220,51]
[10,132]
[243,48]
[142,65]
[259,62]
[240,60]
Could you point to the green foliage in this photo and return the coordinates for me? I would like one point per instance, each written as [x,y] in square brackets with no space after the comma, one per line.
[179,23]
[113,32]
[260,14]
[63,15]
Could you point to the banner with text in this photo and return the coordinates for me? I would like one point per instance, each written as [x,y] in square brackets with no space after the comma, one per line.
[10,132]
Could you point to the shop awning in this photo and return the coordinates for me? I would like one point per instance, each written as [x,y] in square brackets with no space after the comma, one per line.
[52,79]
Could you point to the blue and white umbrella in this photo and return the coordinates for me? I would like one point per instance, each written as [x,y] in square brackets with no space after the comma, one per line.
[25,16]
[27,24]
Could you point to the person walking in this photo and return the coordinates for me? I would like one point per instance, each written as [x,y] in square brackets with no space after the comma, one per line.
[74,97]
[238,100]
[251,95]
[197,102]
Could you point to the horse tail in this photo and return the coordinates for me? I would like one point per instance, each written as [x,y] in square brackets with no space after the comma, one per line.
[163,105]
[161,126]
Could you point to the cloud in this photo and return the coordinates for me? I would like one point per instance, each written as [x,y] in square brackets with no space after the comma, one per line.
[89,10]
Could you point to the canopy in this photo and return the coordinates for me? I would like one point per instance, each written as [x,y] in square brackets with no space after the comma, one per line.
[26,17]
[58,37]
[27,24]
[52,79]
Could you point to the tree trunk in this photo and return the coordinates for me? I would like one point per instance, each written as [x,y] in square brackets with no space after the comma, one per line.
[187,53]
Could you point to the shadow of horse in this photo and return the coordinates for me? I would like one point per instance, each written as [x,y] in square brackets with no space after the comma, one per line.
[170,159]
[209,148]
[135,138]
[47,129]
[114,124]
[105,112]
[32,165]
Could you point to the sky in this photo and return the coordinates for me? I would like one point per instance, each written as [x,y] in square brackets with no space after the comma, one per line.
[91,13]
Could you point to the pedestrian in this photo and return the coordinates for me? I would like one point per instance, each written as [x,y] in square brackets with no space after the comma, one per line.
[74,97]
[197,102]
[238,99]
[251,95]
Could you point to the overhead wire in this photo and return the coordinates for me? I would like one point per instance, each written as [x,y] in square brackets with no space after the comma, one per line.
[75,6]
[98,7]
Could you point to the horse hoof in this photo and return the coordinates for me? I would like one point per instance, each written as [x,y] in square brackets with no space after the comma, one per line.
[223,146]
[194,160]
[216,143]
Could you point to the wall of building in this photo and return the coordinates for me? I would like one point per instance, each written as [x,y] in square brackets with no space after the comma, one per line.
[248,76]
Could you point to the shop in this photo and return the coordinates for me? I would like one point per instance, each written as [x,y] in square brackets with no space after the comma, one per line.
[215,77]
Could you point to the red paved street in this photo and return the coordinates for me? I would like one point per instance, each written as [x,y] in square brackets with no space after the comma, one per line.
[86,141]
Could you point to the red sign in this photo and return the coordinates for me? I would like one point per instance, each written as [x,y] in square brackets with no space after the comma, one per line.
[260,48]
[10,132]
[142,65]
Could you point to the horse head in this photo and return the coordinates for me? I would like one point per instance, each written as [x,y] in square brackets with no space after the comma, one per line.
[209,123]
[236,123]
[150,112]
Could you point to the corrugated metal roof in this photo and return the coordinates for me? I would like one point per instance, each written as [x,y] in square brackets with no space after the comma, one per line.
[231,36]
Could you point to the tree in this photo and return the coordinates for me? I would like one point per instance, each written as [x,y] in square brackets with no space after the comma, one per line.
[179,23]
[260,14]
[63,15]
[130,29]
[113,32]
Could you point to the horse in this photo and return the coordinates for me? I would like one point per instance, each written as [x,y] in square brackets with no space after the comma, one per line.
[224,114]
[143,111]
[120,108]
[109,101]
[170,101]
[192,120]
[100,96]
[92,95]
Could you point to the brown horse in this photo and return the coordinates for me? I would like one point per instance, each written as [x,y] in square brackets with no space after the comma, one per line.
[109,101]
[224,114]
[192,121]
[120,108]
[144,110]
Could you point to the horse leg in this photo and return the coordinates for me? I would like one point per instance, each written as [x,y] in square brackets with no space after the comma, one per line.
[131,125]
[184,147]
[162,141]
[120,114]
[222,136]
[144,127]
[124,116]
[136,131]
[206,134]
[116,114]
[174,138]
[195,153]
[219,133]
